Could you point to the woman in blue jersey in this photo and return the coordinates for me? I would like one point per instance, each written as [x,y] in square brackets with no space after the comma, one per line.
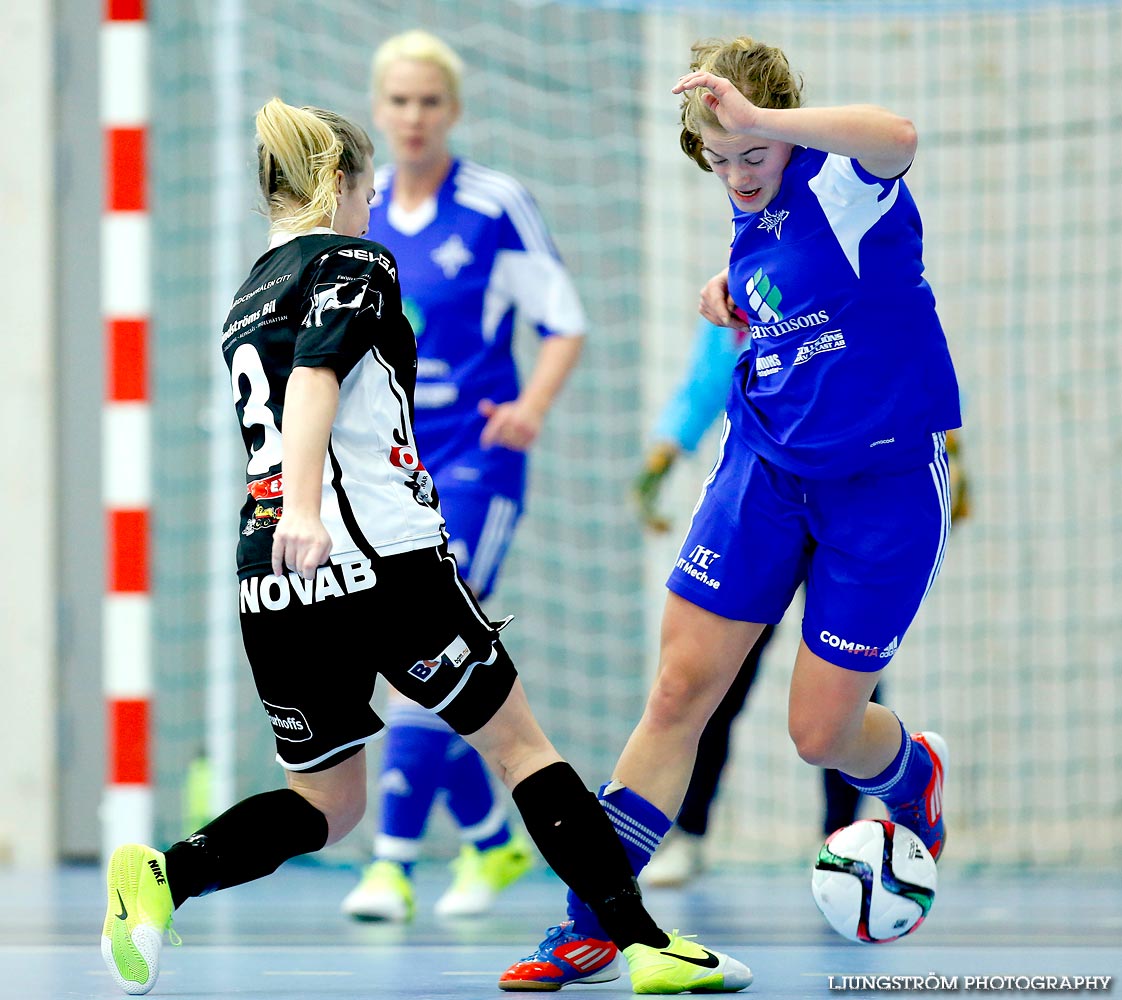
[473,251]
[832,468]
[688,414]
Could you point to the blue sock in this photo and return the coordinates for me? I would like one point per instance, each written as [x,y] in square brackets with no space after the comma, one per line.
[904,780]
[479,813]
[641,827]
[410,774]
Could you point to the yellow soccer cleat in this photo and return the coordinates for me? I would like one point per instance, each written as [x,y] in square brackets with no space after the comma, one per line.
[684,966]
[138,916]
[482,875]
[384,893]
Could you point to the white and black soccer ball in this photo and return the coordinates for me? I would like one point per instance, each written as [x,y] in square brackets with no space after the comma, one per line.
[874,881]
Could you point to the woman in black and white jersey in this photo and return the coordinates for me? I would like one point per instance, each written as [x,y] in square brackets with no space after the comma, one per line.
[344,575]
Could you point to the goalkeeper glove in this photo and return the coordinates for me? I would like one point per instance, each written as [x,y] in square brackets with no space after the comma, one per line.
[649,483]
[960,485]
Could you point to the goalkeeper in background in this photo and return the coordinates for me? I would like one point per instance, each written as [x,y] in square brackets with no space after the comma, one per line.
[692,409]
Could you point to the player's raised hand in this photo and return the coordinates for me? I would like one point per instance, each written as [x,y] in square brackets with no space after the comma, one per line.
[301,543]
[717,306]
[734,111]
[515,425]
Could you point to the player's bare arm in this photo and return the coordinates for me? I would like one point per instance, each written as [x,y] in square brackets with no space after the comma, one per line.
[301,542]
[717,306]
[518,423]
[883,143]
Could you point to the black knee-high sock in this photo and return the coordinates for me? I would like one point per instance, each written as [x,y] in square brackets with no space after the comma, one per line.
[248,841]
[578,842]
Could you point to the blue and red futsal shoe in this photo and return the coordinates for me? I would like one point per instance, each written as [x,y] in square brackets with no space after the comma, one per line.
[924,816]
[561,959]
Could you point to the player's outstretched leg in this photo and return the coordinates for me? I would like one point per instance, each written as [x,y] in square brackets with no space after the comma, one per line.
[137,917]
[248,841]
[573,833]
[579,948]
[681,856]
[659,963]
[923,814]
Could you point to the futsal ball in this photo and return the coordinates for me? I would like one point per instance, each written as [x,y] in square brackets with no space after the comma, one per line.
[874,881]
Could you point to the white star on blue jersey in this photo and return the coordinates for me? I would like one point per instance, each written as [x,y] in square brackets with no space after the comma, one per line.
[451,255]
[471,259]
[772,222]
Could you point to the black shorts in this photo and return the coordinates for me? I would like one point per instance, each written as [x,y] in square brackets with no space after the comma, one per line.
[316,648]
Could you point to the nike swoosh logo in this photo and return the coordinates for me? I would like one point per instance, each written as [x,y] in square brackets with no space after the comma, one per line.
[710,961]
[124,914]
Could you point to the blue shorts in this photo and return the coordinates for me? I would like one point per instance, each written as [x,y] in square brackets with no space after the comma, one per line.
[480,527]
[868,548]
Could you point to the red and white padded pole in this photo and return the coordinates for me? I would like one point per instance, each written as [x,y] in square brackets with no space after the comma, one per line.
[127,806]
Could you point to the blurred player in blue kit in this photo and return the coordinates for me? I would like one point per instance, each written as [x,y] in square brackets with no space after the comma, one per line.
[474,254]
[831,469]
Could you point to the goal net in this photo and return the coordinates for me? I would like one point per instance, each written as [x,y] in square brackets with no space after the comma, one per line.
[1016,657]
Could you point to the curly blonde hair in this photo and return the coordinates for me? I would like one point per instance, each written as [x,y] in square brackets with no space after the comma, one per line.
[760,72]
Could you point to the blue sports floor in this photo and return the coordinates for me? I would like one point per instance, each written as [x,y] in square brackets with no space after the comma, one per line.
[284,938]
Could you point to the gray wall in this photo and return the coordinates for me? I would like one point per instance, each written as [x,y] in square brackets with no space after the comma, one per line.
[80,374]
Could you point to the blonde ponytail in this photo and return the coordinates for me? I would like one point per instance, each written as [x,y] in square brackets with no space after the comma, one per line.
[298,152]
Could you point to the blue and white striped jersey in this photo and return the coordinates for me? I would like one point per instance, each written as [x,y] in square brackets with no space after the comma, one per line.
[469,259]
[849,369]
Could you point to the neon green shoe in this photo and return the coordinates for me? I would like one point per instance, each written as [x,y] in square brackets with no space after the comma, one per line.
[482,875]
[385,893]
[684,966]
[138,915]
